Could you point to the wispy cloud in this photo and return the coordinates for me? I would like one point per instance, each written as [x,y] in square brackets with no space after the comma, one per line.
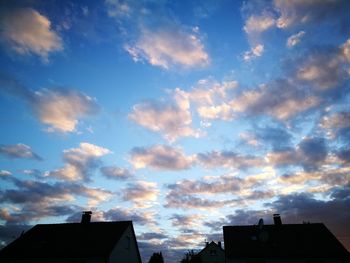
[79,162]
[160,157]
[19,150]
[294,40]
[27,31]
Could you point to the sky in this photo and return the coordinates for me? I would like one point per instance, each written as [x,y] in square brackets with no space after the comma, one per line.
[182,116]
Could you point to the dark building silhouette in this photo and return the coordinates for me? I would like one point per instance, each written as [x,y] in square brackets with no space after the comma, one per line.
[282,243]
[76,243]
[212,253]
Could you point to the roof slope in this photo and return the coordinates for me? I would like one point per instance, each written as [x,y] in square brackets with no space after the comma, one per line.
[73,240]
[284,241]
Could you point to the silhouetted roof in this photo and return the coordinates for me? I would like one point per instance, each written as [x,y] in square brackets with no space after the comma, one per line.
[73,240]
[284,241]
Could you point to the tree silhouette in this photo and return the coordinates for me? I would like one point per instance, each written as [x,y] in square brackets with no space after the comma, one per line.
[191,257]
[156,258]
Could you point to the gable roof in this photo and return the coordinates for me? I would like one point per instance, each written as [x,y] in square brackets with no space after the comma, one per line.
[72,240]
[282,241]
[211,245]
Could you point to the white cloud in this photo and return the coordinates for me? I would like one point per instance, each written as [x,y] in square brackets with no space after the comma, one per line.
[61,109]
[160,157]
[294,40]
[254,52]
[170,120]
[79,162]
[143,194]
[27,31]
[166,48]
[257,24]
[5,173]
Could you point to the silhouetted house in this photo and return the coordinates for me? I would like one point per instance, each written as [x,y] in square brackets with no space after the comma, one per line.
[75,243]
[212,253]
[282,243]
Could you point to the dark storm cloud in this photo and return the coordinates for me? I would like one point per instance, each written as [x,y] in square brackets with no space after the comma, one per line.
[19,150]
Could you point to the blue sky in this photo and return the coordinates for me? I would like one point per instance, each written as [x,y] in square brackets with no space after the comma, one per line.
[182,116]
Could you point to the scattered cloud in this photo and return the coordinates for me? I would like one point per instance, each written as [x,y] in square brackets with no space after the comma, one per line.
[281,99]
[170,120]
[160,157]
[295,39]
[169,47]
[5,173]
[27,31]
[79,162]
[61,109]
[310,153]
[293,13]
[326,68]
[122,214]
[143,194]
[228,159]
[254,52]
[117,173]
[19,150]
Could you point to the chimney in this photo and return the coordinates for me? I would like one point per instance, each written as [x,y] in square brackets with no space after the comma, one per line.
[86,217]
[219,244]
[206,244]
[277,219]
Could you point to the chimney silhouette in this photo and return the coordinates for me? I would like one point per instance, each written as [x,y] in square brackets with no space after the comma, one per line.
[219,244]
[277,219]
[86,217]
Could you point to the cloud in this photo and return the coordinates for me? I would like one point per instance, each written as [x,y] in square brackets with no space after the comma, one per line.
[279,137]
[19,150]
[254,52]
[336,120]
[202,193]
[228,159]
[60,109]
[294,40]
[117,173]
[310,153]
[27,31]
[34,200]
[5,173]
[160,157]
[169,47]
[326,68]
[209,97]
[281,98]
[122,214]
[143,194]
[293,13]
[256,24]
[186,221]
[79,162]
[170,120]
